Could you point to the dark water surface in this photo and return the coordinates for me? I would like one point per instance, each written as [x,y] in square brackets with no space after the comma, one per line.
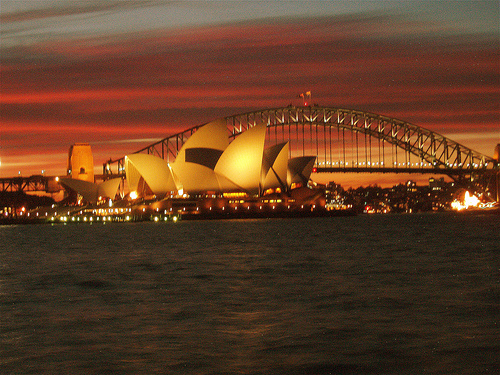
[395,294]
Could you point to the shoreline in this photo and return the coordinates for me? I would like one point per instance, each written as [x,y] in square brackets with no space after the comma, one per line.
[215,215]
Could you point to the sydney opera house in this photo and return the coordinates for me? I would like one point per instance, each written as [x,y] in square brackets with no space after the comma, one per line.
[209,174]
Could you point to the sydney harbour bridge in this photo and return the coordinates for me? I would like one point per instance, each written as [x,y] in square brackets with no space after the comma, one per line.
[343,140]
[348,140]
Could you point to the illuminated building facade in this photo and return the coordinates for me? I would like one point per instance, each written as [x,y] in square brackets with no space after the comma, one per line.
[207,162]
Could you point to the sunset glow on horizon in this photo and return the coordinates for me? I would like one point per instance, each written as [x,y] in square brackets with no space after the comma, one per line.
[120,75]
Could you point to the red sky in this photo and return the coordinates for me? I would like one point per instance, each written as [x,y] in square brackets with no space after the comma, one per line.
[120,75]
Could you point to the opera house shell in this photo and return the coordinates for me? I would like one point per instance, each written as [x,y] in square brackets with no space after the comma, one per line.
[90,191]
[208,162]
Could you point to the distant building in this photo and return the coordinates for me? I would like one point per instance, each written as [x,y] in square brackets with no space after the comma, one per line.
[436,184]
[411,186]
[335,197]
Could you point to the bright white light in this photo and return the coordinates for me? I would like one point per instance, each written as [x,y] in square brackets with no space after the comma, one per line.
[471,200]
[468,201]
[133,195]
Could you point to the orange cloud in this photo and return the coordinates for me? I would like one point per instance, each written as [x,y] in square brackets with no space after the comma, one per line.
[142,86]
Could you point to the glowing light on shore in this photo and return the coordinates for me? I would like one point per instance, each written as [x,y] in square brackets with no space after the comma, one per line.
[470,201]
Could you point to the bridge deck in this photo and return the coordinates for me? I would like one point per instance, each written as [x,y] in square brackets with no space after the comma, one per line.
[424,170]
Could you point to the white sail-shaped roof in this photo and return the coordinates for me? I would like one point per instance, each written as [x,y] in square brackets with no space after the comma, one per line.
[241,162]
[108,188]
[192,177]
[274,166]
[194,164]
[300,169]
[226,184]
[88,190]
[154,170]
[91,191]
[210,136]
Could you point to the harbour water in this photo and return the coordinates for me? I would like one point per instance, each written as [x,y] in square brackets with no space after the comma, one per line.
[370,294]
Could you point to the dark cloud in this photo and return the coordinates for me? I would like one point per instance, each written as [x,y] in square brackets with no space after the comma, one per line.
[40,10]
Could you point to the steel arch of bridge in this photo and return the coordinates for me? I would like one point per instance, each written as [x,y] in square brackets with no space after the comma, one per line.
[345,140]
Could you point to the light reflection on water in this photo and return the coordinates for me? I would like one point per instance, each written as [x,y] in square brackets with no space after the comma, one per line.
[397,294]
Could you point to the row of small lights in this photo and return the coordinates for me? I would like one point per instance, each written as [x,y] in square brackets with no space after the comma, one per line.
[475,165]
[157,219]
[260,207]
[110,210]
[224,208]
[128,218]
[421,164]
[85,218]
[65,219]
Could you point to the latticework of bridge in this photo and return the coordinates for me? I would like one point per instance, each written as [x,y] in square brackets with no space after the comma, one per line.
[345,140]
